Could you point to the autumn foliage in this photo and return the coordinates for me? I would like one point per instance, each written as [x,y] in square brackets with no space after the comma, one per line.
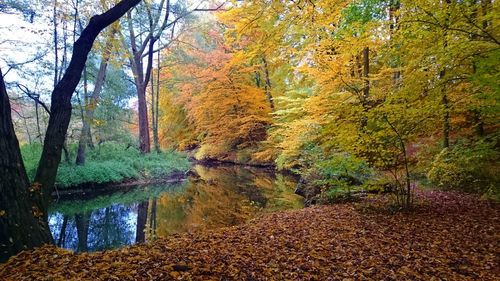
[390,83]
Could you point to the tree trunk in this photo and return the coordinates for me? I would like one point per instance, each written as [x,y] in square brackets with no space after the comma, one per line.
[141,81]
[39,131]
[90,107]
[156,106]
[393,23]
[23,214]
[144,138]
[257,79]
[442,74]
[267,85]
[141,75]
[153,116]
[366,72]
[22,226]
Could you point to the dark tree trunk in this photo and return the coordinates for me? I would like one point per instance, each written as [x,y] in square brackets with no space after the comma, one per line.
[23,216]
[142,217]
[366,72]
[39,131]
[267,85]
[22,225]
[144,138]
[257,79]
[444,95]
[446,111]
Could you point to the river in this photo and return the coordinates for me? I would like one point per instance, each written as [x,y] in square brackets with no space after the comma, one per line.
[213,197]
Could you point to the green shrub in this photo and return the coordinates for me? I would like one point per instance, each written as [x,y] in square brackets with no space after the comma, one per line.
[467,166]
[343,169]
[109,162]
[338,176]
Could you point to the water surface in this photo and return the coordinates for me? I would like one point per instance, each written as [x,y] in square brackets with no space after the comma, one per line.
[215,197]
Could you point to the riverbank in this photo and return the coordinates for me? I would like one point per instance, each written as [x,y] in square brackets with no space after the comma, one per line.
[109,164]
[449,236]
[92,190]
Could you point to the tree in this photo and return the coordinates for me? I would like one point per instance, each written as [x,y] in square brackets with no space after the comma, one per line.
[142,47]
[215,86]
[23,221]
[85,135]
[138,50]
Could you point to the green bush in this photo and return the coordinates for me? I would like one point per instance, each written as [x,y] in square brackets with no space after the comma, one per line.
[338,176]
[342,169]
[467,166]
[109,162]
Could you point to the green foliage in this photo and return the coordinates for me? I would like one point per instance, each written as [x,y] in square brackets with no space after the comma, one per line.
[31,155]
[343,169]
[110,162]
[468,166]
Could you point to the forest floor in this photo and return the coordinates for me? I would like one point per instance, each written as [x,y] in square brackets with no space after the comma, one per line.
[449,236]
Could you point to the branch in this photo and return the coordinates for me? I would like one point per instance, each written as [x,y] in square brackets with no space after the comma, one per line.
[14,65]
[32,96]
[218,8]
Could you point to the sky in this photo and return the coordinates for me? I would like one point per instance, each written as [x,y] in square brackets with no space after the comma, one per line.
[21,43]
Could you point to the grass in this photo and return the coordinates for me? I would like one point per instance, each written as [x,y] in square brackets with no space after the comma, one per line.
[107,163]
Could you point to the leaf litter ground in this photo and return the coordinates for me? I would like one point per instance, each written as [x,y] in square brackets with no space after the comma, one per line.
[450,236]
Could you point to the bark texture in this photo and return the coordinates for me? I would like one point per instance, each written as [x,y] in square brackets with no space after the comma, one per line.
[22,226]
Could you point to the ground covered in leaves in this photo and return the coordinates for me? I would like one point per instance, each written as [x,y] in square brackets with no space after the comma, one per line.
[449,236]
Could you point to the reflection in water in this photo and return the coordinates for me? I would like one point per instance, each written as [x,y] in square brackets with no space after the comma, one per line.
[216,197]
[105,228]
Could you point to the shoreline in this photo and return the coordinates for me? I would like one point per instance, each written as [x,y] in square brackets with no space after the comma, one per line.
[92,189]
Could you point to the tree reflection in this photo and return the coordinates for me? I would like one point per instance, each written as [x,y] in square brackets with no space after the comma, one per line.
[101,229]
[224,196]
[216,197]
[142,217]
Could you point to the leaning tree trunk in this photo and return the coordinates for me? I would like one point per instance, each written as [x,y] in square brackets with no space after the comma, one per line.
[89,110]
[21,224]
[23,214]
